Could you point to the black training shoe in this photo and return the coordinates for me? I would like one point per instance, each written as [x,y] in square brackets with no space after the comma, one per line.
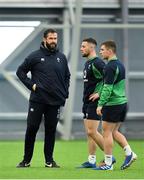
[51,165]
[23,164]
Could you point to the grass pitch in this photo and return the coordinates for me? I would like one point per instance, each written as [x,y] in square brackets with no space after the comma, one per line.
[69,155]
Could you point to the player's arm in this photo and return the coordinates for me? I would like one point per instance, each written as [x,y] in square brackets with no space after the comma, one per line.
[22,71]
[98,73]
[109,78]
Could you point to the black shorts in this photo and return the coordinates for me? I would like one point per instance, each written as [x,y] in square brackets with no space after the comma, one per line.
[89,110]
[115,113]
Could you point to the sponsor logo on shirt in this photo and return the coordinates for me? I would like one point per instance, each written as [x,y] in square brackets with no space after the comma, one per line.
[86,115]
[84,74]
[58,60]
[42,59]
[89,66]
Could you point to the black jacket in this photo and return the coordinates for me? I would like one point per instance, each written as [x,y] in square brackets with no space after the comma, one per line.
[50,73]
[93,77]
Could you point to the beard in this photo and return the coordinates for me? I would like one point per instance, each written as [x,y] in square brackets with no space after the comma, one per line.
[51,47]
[85,55]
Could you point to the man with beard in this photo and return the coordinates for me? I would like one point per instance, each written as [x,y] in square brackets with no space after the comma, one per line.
[93,82]
[49,85]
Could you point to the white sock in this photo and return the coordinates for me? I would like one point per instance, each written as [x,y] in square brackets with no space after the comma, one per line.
[108,159]
[92,159]
[127,150]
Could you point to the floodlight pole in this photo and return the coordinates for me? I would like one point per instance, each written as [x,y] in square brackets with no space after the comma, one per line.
[73,68]
[124,7]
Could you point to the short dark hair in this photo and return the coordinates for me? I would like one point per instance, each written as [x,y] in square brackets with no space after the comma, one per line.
[110,45]
[46,32]
[90,40]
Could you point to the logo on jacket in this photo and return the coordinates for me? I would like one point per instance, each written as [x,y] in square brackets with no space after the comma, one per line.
[42,59]
[32,109]
[89,66]
[58,59]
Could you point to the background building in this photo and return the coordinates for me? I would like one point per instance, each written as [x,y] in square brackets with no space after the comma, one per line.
[24,22]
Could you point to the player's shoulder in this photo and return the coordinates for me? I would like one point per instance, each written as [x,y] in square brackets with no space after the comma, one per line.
[97,58]
[112,65]
[98,62]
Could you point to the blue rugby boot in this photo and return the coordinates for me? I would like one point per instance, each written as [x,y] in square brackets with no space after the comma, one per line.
[113,161]
[129,160]
[87,165]
[104,167]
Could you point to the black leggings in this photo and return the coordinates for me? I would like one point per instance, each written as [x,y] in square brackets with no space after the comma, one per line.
[35,113]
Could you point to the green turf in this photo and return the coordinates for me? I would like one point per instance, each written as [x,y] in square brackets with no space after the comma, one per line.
[68,155]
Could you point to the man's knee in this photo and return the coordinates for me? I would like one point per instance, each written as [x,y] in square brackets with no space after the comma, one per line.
[107,133]
[115,133]
[91,132]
